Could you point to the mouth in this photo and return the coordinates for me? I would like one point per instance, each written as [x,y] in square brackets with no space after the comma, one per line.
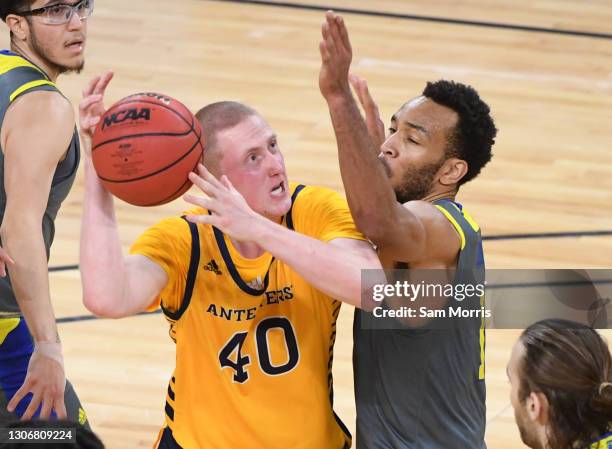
[278,190]
[386,167]
[76,45]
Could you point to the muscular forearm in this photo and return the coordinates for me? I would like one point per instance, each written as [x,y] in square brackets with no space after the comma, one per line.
[329,268]
[368,190]
[101,257]
[29,277]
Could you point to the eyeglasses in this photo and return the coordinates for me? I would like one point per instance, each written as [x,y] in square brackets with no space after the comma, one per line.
[61,13]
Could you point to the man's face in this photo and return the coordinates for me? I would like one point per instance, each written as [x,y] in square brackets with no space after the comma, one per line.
[251,159]
[61,47]
[526,426]
[416,147]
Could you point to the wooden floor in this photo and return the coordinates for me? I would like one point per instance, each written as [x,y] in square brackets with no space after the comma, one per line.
[551,95]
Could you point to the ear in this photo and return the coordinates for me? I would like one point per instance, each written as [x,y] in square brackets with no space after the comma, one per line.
[18,25]
[536,406]
[452,171]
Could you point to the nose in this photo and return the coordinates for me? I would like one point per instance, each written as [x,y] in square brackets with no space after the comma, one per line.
[388,151]
[276,164]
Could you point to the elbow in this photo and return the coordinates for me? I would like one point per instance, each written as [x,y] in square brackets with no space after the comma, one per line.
[372,224]
[99,305]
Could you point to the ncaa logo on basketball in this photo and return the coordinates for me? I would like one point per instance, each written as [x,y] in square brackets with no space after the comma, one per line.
[126,114]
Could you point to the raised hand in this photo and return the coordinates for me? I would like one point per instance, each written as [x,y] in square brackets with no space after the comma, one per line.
[91,106]
[230,211]
[336,56]
[376,127]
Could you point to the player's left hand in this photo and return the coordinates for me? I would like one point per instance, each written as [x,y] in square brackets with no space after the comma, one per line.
[91,107]
[375,125]
[336,55]
[230,211]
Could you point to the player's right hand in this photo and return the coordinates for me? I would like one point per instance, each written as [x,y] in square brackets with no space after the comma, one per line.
[92,107]
[46,381]
[5,260]
[336,56]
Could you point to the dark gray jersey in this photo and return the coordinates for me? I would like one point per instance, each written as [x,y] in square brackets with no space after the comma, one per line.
[20,77]
[424,388]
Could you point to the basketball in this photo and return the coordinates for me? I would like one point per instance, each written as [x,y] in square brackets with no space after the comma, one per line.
[144,147]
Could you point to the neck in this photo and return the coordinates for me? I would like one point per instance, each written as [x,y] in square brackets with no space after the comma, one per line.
[22,50]
[434,196]
[250,250]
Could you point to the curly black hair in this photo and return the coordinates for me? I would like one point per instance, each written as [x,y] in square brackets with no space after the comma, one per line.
[12,6]
[475,132]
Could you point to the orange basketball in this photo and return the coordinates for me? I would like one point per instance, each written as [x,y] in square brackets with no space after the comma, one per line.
[144,148]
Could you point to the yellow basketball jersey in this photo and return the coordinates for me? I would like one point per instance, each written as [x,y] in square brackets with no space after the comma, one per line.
[254,341]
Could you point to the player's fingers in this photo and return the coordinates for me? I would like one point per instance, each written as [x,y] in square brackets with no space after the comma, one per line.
[208,176]
[89,101]
[334,34]
[323,52]
[45,410]
[202,219]
[34,404]
[5,257]
[328,38]
[365,97]
[227,183]
[344,36]
[202,184]
[200,201]
[2,269]
[90,86]
[355,83]
[103,82]
[60,408]
[18,396]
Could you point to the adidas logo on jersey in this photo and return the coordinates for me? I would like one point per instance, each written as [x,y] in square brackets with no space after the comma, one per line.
[212,266]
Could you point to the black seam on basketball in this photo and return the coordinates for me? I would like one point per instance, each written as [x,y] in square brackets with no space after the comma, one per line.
[131,136]
[155,104]
[162,201]
[155,172]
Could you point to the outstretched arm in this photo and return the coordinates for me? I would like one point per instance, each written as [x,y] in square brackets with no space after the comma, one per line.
[392,227]
[333,267]
[114,286]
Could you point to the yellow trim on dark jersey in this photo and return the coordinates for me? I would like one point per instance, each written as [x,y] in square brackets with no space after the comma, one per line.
[7,325]
[10,62]
[605,442]
[454,223]
[28,86]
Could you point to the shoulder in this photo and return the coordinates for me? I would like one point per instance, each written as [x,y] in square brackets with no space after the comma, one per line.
[48,104]
[311,196]
[48,111]
[428,213]
[443,236]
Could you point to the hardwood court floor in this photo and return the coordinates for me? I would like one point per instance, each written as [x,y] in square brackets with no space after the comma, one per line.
[552,169]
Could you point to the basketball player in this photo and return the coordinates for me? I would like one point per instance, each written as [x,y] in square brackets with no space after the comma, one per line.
[414,388]
[38,164]
[561,377]
[253,315]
